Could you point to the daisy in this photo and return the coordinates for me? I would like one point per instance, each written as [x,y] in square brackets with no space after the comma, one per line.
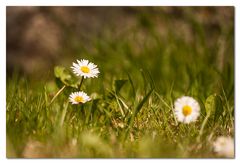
[224,146]
[186,109]
[85,68]
[79,97]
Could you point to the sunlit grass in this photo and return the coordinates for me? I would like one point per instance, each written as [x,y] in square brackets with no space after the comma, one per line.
[131,112]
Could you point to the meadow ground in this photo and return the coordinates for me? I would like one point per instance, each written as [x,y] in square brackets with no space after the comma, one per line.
[130,115]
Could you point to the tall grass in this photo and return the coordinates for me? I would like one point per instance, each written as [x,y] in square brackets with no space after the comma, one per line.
[131,114]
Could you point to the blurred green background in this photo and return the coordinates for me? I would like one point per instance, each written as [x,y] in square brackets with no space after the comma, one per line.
[167,41]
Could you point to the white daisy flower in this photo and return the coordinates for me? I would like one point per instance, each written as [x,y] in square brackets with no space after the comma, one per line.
[186,109]
[224,146]
[85,68]
[79,97]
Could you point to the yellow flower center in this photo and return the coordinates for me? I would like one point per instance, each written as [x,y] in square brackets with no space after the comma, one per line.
[78,99]
[187,110]
[85,69]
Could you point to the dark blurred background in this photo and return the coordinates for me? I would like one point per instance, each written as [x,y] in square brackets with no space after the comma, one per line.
[40,37]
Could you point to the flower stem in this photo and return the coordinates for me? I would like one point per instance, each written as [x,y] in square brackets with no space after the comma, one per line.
[81,83]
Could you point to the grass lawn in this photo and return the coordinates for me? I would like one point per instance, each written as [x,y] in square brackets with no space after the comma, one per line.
[131,114]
